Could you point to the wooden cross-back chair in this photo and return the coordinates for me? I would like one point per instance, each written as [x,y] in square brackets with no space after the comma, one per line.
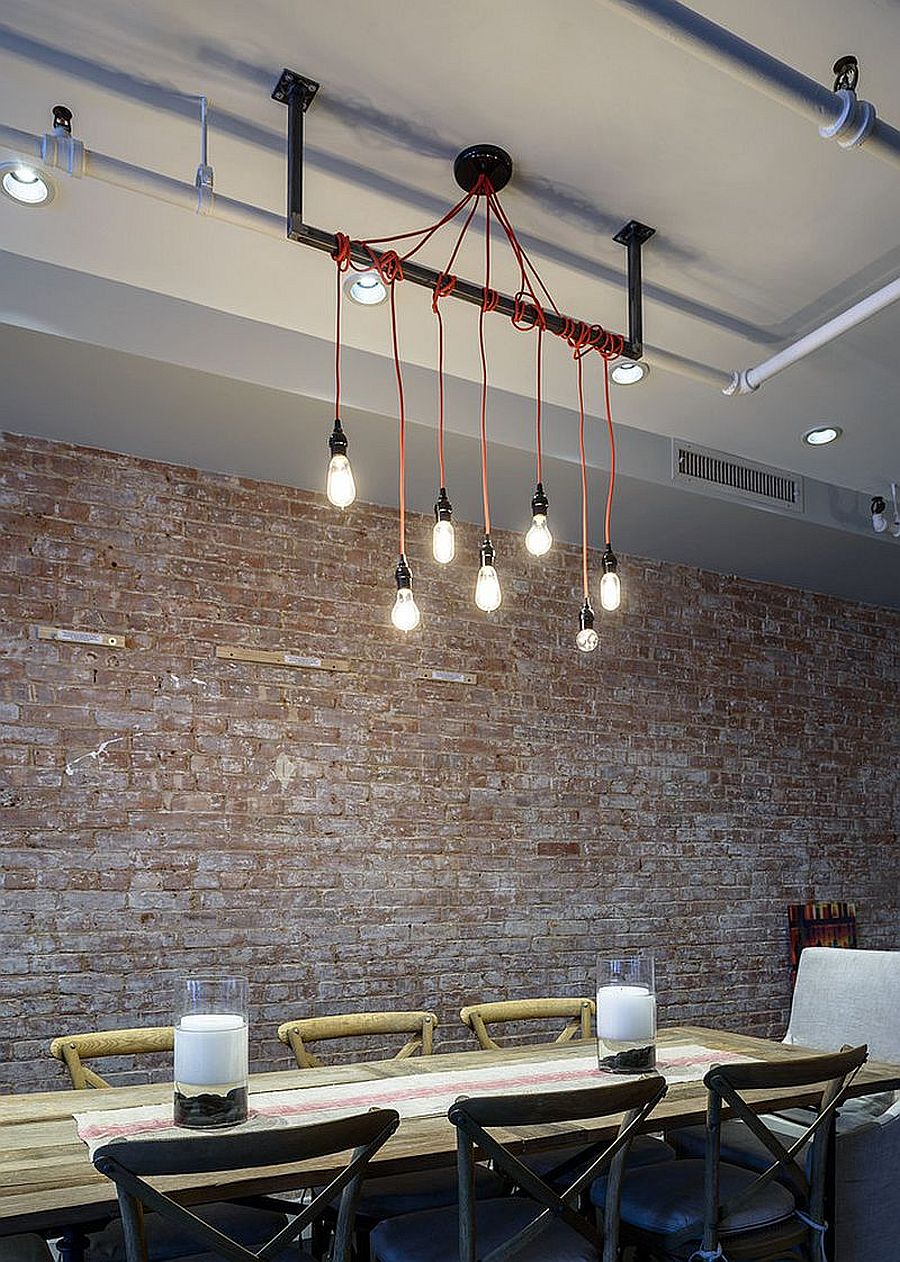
[577,1013]
[763,1215]
[548,1217]
[74,1049]
[419,1025]
[129,1163]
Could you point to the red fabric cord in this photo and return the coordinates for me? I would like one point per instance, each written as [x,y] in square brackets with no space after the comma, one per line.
[402,427]
[584,485]
[537,440]
[440,324]
[341,257]
[481,315]
[612,449]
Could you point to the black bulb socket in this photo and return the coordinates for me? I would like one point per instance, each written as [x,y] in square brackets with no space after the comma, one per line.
[609,561]
[403,574]
[586,616]
[539,501]
[338,440]
[62,119]
[878,505]
[443,509]
[487,551]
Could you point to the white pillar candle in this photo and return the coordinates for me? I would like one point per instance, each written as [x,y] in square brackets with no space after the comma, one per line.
[625,1014]
[211,1049]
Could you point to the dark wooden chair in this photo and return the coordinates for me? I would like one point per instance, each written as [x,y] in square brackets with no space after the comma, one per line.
[709,1207]
[545,1222]
[129,1163]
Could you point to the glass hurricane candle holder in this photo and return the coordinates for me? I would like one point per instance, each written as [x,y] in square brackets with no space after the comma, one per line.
[211,1051]
[626,1013]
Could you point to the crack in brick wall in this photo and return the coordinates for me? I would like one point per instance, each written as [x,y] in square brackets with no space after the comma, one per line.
[369,839]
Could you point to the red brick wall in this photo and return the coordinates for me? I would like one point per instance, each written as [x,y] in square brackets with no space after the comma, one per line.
[730,748]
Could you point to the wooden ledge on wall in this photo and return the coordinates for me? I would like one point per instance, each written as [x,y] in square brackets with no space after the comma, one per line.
[281,657]
[63,635]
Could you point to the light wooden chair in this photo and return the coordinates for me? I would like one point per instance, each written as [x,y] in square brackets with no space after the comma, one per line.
[420,1025]
[577,1012]
[74,1049]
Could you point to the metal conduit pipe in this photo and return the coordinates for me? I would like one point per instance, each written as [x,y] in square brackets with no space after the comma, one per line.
[839,115]
[668,361]
[59,152]
[752,378]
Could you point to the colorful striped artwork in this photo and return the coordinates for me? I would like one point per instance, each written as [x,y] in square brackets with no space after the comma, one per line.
[820,924]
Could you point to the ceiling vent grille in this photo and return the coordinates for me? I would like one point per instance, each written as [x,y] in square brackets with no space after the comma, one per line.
[729,477]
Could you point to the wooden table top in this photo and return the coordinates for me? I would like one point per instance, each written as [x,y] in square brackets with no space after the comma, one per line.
[47,1180]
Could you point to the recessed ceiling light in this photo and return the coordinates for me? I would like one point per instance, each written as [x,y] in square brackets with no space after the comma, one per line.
[25,184]
[822,434]
[366,288]
[627,372]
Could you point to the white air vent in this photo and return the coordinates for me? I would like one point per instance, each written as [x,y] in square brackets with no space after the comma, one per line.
[730,477]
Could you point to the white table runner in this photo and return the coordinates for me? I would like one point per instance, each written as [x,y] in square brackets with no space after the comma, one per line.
[412,1094]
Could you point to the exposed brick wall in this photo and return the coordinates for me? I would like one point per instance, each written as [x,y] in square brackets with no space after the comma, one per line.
[730,748]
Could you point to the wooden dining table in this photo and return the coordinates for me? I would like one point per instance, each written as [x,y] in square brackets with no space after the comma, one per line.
[48,1184]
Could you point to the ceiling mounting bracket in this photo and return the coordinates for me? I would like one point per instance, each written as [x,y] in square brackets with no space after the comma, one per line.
[297,92]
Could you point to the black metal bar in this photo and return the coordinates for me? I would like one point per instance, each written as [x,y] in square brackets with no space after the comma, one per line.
[428,278]
[297,92]
[633,236]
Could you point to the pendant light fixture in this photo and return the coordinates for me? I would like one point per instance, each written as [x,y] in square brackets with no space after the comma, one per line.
[443,535]
[405,613]
[340,485]
[610,584]
[538,539]
[586,638]
[482,171]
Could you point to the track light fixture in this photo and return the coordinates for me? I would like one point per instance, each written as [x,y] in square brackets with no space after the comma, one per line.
[26,184]
[877,509]
[482,171]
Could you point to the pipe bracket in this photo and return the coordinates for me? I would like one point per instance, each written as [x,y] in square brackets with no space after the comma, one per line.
[59,149]
[739,384]
[855,119]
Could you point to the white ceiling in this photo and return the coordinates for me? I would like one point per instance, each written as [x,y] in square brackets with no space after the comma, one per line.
[764,231]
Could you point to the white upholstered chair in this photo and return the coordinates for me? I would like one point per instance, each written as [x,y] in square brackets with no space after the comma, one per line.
[844,997]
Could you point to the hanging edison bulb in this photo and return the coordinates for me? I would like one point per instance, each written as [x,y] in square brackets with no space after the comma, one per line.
[587,638]
[538,539]
[487,586]
[340,486]
[443,536]
[405,613]
[610,586]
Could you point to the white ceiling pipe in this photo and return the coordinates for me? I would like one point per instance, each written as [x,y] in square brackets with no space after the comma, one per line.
[656,357]
[58,151]
[752,378]
[839,114]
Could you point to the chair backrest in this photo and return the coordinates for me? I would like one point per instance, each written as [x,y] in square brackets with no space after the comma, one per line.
[128,1163]
[828,1077]
[475,1118]
[845,996]
[577,1013]
[420,1025]
[74,1049]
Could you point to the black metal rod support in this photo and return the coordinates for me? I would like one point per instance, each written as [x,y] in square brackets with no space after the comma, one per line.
[297,92]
